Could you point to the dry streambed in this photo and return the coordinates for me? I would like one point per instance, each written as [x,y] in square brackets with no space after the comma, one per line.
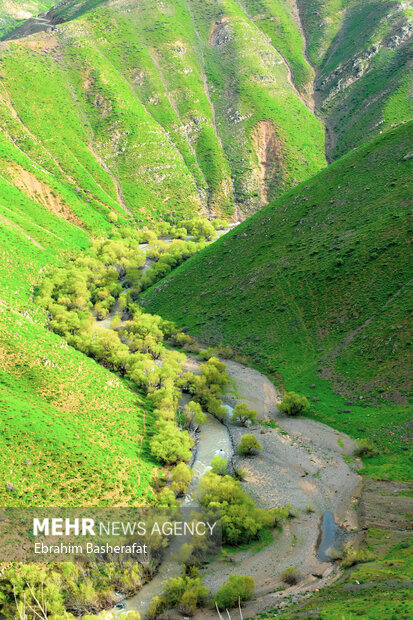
[302,463]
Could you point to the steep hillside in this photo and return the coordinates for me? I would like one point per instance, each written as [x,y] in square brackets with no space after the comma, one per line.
[362,53]
[15,12]
[161,110]
[72,432]
[316,289]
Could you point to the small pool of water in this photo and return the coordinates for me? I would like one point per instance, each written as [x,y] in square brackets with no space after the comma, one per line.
[332,538]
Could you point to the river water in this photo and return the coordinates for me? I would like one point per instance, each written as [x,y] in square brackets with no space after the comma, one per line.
[213,440]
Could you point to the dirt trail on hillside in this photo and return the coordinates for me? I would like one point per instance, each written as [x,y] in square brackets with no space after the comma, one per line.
[302,464]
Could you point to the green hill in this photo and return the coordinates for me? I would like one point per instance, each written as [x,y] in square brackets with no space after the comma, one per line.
[316,289]
[362,54]
[73,433]
[15,12]
[159,110]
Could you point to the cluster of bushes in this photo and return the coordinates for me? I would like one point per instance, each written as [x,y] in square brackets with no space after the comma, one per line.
[353,556]
[184,341]
[294,404]
[200,228]
[249,445]
[66,590]
[207,386]
[237,589]
[242,521]
[222,350]
[184,593]
[73,294]
[168,257]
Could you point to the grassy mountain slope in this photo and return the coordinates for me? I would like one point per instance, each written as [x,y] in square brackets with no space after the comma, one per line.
[169,109]
[363,53]
[316,289]
[15,12]
[82,430]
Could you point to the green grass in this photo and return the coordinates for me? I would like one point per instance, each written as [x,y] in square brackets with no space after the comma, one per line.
[321,21]
[277,19]
[315,289]
[84,430]
[14,12]
[377,589]
[364,68]
[158,121]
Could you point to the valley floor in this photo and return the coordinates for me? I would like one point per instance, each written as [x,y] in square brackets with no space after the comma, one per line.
[302,463]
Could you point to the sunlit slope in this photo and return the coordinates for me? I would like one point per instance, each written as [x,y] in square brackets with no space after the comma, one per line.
[72,432]
[162,110]
[317,286]
[15,12]
[362,52]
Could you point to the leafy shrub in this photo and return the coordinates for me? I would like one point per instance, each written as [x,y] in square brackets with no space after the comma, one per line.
[241,519]
[219,223]
[293,404]
[219,465]
[366,447]
[352,556]
[237,588]
[249,445]
[166,498]
[171,445]
[113,217]
[193,414]
[156,607]
[205,387]
[181,477]
[206,354]
[184,593]
[242,414]
[200,228]
[291,575]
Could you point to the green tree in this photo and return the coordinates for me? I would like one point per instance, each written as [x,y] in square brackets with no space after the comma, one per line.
[169,444]
[219,465]
[241,519]
[242,414]
[249,445]
[181,476]
[237,588]
[293,404]
[194,416]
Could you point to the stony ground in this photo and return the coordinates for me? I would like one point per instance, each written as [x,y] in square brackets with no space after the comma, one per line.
[302,464]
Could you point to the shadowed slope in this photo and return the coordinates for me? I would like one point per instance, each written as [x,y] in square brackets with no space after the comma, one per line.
[316,286]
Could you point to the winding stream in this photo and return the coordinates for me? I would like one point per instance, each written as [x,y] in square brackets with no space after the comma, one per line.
[302,463]
[213,441]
